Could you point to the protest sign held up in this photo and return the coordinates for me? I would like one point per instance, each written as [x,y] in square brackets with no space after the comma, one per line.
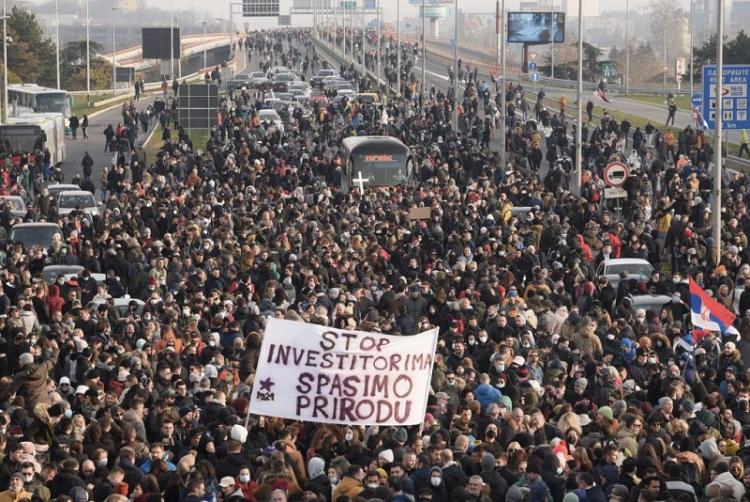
[321,374]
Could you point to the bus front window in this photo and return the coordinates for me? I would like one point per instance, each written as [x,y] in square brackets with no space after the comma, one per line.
[51,103]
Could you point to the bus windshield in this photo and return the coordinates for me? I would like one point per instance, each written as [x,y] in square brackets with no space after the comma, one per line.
[20,138]
[51,103]
[383,170]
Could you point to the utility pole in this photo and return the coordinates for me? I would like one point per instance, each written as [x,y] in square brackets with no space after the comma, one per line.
[553,30]
[57,42]
[171,40]
[716,193]
[88,54]
[692,20]
[455,64]
[503,108]
[114,54]
[5,63]
[424,53]
[579,114]
[627,47]
[398,47]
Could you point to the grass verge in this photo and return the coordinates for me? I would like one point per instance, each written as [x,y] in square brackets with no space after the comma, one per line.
[154,145]
[683,102]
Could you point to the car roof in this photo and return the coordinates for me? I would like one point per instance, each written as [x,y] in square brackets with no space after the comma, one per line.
[37,224]
[626,261]
[76,192]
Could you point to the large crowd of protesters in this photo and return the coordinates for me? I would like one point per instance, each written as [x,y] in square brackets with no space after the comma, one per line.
[549,384]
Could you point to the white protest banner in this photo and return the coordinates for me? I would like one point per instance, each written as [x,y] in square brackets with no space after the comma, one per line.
[320,374]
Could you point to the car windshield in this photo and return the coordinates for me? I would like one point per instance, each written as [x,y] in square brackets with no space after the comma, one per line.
[33,235]
[14,204]
[77,200]
[634,269]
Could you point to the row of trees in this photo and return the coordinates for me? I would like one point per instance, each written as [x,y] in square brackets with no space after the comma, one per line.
[32,58]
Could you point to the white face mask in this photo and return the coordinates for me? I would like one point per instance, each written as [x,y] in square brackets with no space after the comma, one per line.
[333,479]
[244,478]
[435,481]
[28,478]
[373,486]
[102,461]
[482,339]
[349,436]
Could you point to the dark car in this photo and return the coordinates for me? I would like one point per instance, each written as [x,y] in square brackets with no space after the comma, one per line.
[238,82]
[317,79]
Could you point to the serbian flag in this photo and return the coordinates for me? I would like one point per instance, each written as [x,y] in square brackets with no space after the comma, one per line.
[599,93]
[706,313]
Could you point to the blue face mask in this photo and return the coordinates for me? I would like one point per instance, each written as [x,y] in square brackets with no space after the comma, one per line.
[68,413]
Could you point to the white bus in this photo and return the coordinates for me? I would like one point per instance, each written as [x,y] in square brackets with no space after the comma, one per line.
[30,133]
[32,98]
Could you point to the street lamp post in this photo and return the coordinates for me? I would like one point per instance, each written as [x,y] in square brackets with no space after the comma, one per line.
[627,47]
[57,43]
[377,77]
[88,56]
[692,7]
[114,53]
[719,121]
[171,42]
[455,64]
[579,114]
[205,55]
[398,47]
[503,108]
[424,52]
[5,63]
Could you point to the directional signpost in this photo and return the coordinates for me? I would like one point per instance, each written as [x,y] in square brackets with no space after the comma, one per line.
[697,99]
[734,96]
[532,67]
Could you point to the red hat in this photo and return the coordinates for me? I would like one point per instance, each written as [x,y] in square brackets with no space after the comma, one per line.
[280,484]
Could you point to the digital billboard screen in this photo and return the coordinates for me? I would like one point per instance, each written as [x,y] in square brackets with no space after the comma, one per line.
[156,43]
[536,27]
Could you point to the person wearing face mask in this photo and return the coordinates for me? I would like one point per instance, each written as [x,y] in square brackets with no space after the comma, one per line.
[33,483]
[437,486]
[372,483]
[16,490]
[319,482]
[245,483]
[490,476]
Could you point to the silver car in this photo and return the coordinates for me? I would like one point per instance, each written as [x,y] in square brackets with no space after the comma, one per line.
[70,200]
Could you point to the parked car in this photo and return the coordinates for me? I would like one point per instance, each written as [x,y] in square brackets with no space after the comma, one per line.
[121,304]
[35,234]
[54,189]
[271,116]
[51,272]
[317,79]
[636,268]
[237,82]
[16,204]
[70,200]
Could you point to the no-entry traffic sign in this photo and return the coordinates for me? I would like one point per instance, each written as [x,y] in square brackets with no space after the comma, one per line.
[615,174]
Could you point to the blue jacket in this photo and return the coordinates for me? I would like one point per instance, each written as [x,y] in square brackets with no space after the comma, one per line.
[487,394]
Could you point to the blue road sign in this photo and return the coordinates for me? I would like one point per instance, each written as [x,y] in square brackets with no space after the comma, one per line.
[371,4]
[734,84]
[532,66]
[697,99]
[535,76]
